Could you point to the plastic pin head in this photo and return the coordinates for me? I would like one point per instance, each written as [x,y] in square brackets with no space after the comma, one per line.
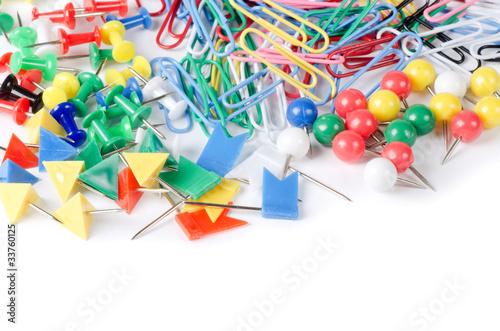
[104,176]
[220,153]
[10,172]
[152,144]
[16,199]
[20,154]
[75,215]
[128,193]
[90,155]
[280,197]
[53,148]
[45,120]
[64,175]
[145,166]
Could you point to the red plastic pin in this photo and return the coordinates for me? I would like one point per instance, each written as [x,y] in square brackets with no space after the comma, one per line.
[20,154]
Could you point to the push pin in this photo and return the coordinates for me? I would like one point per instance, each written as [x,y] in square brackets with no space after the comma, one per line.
[363,122]
[349,100]
[11,90]
[114,77]
[112,33]
[451,82]
[465,126]
[66,40]
[488,109]
[326,127]
[77,215]
[109,142]
[485,81]
[153,90]
[29,80]
[89,83]
[422,75]
[137,114]
[190,181]
[47,65]
[143,18]
[43,28]
[292,142]
[399,83]
[11,172]
[19,110]
[67,16]
[302,113]
[65,113]
[21,37]
[6,24]
[95,55]
[445,106]
[422,118]
[18,198]
[52,148]
[120,6]
[20,153]
[385,105]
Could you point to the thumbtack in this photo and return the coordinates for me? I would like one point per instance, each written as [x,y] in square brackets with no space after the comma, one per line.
[47,65]
[19,19]
[11,90]
[112,33]
[17,198]
[292,142]
[445,106]
[143,18]
[302,113]
[72,39]
[114,77]
[465,126]
[77,215]
[67,16]
[399,83]
[109,142]
[95,55]
[19,109]
[422,75]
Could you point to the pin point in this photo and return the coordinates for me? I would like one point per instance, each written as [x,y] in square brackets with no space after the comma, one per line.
[23,36]
[109,142]
[137,114]
[18,198]
[198,224]
[67,16]
[385,105]
[47,65]
[95,55]
[77,215]
[64,113]
[349,100]
[18,152]
[143,18]
[326,127]
[6,24]
[465,126]
[488,109]
[89,83]
[66,40]
[421,117]
[220,153]
[112,33]
[292,142]
[422,75]
[451,82]
[302,113]
[11,90]
[445,106]
[399,83]
[11,172]
[485,81]
[43,27]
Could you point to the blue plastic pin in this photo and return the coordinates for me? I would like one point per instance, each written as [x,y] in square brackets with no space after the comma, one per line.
[220,153]
[10,172]
[302,113]
[191,179]
[144,19]
[53,148]
[280,197]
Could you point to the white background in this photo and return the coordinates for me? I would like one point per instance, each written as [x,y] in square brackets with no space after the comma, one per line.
[397,252]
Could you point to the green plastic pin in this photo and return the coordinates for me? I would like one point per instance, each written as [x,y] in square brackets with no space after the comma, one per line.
[103,176]
[91,155]
[191,179]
